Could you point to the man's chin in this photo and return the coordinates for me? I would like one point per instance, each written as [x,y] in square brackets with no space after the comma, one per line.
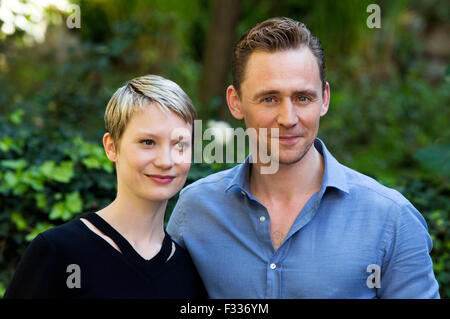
[290,158]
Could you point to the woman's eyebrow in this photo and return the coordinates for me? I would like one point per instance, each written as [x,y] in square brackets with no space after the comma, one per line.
[146,134]
[181,137]
[178,137]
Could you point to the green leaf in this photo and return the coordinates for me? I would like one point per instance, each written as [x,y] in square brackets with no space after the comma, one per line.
[6,143]
[73,202]
[19,221]
[33,179]
[47,168]
[41,200]
[39,228]
[64,172]
[11,179]
[20,189]
[2,289]
[57,211]
[16,117]
[91,162]
[14,164]
[66,215]
[107,166]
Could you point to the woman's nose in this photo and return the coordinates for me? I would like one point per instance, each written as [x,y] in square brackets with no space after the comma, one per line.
[164,159]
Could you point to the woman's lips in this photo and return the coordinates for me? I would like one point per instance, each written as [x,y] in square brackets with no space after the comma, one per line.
[161,179]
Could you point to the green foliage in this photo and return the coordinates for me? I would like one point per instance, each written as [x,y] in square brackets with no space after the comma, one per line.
[390,128]
[387,117]
[39,191]
[432,199]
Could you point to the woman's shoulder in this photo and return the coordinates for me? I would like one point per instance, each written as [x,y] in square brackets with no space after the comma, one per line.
[181,257]
[65,235]
[181,269]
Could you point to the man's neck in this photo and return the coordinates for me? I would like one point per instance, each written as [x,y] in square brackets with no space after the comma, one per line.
[291,181]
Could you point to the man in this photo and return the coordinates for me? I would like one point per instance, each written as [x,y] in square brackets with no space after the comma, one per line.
[315,228]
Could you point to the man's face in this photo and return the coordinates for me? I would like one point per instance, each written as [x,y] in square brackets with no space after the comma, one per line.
[282,90]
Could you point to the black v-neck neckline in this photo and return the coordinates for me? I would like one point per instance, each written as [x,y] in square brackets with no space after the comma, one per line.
[126,248]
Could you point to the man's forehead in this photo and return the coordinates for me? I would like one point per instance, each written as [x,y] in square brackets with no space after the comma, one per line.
[291,70]
[301,55]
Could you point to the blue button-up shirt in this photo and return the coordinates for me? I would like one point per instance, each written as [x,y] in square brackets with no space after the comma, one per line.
[354,238]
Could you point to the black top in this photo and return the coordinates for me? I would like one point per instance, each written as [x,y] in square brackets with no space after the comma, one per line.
[71,261]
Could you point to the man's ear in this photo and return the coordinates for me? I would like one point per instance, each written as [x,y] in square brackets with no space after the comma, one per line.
[234,103]
[325,100]
[110,149]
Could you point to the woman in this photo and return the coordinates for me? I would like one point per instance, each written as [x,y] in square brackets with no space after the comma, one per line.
[123,251]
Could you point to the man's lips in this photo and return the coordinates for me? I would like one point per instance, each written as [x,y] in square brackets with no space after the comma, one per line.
[288,139]
[161,179]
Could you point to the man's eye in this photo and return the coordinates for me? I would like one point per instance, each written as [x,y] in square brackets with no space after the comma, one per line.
[269,99]
[303,99]
[148,142]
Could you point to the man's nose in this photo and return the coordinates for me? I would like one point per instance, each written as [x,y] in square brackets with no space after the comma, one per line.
[287,116]
[164,159]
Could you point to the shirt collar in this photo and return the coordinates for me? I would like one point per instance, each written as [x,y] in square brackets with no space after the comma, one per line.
[242,176]
[333,175]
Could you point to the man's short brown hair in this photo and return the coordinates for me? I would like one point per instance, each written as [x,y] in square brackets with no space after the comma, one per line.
[275,34]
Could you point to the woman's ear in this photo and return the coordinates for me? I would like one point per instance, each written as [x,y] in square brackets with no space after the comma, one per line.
[110,149]
[234,103]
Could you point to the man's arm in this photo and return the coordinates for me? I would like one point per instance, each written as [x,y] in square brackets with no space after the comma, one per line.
[407,270]
[176,222]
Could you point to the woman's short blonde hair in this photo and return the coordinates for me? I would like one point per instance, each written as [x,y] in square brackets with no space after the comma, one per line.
[137,94]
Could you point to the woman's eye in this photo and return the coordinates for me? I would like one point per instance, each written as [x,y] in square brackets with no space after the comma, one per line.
[182,145]
[148,142]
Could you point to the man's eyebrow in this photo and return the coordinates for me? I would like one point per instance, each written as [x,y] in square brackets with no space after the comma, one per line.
[308,92]
[264,93]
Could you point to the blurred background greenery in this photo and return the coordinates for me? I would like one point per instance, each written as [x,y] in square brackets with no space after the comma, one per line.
[389,115]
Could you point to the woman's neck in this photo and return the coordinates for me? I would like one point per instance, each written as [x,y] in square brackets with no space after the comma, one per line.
[140,221]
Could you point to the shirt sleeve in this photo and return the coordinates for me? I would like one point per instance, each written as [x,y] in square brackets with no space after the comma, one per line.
[32,278]
[407,270]
[176,222]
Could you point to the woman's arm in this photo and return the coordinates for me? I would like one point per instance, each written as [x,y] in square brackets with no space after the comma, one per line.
[33,276]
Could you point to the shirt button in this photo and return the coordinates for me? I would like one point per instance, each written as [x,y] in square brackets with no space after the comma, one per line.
[273,266]
[262,219]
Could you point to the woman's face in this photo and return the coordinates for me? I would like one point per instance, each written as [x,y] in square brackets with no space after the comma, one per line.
[154,154]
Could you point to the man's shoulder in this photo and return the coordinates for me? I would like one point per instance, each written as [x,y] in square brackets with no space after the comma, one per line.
[215,182]
[380,200]
[375,192]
